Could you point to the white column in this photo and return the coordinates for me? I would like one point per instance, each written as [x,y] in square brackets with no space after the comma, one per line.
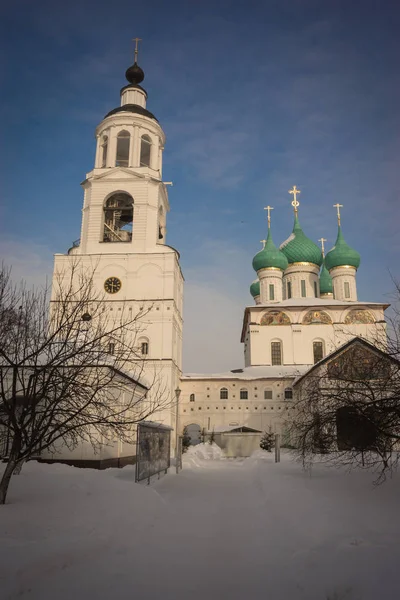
[136,147]
[131,160]
[112,148]
[97,159]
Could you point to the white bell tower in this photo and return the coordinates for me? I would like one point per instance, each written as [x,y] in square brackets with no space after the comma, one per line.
[124,230]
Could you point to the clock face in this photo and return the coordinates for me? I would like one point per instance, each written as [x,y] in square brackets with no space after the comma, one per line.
[112,285]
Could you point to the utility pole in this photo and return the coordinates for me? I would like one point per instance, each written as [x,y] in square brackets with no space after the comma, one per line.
[177,395]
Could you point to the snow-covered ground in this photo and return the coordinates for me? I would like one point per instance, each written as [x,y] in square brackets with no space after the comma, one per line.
[221,529]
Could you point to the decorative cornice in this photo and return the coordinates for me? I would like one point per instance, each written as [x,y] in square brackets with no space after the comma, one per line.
[343,267]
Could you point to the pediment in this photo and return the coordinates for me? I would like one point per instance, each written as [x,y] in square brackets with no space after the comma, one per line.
[118,174]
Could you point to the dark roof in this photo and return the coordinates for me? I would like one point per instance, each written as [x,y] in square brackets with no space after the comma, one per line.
[133,86]
[355,340]
[134,108]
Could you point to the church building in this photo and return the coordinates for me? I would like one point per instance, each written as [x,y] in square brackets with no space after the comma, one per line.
[305,304]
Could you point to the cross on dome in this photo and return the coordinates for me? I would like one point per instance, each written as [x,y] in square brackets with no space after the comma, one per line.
[136,40]
[263,242]
[338,207]
[295,202]
[322,240]
[269,208]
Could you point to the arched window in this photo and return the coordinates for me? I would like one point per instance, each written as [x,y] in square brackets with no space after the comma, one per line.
[244,395]
[144,348]
[145,151]
[318,351]
[276,353]
[118,218]
[288,394]
[104,148]
[123,142]
[223,394]
[192,397]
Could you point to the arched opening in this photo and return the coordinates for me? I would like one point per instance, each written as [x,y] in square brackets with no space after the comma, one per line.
[276,353]
[145,151]
[123,143]
[192,397]
[104,149]
[318,350]
[193,431]
[223,393]
[118,218]
[244,394]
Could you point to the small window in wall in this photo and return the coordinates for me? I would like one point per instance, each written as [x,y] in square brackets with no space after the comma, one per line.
[271,291]
[104,148]
[192,397]
[244,395]
[289,289]
[346,289]
[303,288]
[318,350]
[123,142]
[288,394]
[276,353]
[144,348]
[267,394]
[223,394]
[315,289]
[111,348]
[145,151]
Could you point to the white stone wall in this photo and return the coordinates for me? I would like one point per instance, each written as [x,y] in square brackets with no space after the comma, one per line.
[297,339]
[269,277]
[209,411]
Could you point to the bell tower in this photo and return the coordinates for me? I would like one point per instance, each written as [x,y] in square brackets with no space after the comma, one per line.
[124,230]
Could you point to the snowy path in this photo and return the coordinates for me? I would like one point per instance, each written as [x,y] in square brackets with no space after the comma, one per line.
[221,529]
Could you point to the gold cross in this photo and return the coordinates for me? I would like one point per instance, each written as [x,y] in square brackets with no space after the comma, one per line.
[338,207]
[269,208]
[136,40]
[295,202]
[322,240]
[263,242]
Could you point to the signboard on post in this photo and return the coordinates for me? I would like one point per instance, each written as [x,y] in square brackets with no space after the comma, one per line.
[153,450]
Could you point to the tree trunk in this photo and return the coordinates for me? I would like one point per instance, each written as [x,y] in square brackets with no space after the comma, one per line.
[12,463]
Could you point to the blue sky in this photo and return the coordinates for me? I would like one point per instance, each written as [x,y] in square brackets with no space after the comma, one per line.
[253,96]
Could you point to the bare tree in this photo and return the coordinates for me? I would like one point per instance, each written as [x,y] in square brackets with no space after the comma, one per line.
[69,374]
[348,410]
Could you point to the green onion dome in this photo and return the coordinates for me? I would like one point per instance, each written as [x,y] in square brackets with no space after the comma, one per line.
[299,248]
[270,256]
[325,281]
[342,254]
[255,288]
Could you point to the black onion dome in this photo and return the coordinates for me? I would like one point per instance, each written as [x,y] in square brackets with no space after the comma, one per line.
[133,108]
[134,74]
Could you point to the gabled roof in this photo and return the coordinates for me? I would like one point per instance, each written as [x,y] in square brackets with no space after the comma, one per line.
[354,341]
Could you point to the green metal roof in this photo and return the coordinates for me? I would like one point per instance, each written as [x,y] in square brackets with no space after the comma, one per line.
[299,248]
[255,288]
[325,281]
[270,256]
[342,254]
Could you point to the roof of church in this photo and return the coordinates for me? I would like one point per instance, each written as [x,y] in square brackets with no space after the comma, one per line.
[270,256]
[249,373]
[299,248]
[255,288]
[325,281]
[342,254]
[133,108]
[354,340]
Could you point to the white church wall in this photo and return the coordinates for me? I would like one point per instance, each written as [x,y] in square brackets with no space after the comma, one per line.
[209,411]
